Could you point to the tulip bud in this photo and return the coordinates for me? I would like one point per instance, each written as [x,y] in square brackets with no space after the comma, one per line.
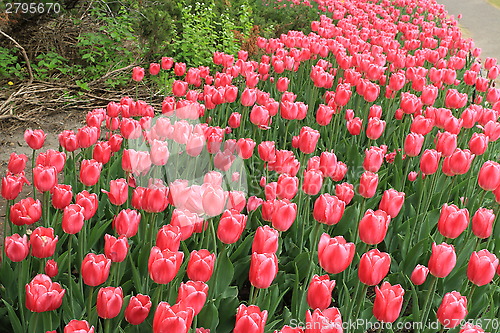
[175,318]
[368,184]
[388,302]
[373,226]
[442,260]
[263,269]
[200,265]
[328,209]
[249,319]
[95,269]
[335,254]
[34,138]
[482,222]
[109,302]
[164,265]
[138,309]
[193,294]
[482,267]
[16,247]
[489,176]
[452,310]
[78,326]
[373,267]
[319,293]
[115,249]
[419,274]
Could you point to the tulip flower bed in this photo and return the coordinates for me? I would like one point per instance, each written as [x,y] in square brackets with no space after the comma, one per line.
[310,190]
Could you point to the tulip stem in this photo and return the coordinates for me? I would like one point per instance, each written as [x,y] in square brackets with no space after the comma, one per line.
[32,167]
[36,315]
[471,293]
[361,301]
[427,306]
[107,327]
[89,301]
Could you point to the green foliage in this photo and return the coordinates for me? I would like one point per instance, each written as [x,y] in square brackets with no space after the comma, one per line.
[114,45]
[9,65]
[48,64]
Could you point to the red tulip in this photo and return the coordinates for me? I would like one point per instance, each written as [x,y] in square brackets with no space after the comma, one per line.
[289,329]
[265,240]
[335,254]
[319,293]
[17,163]
[27,211]
[126,223]
[452,221]
[193,294]
[51,268]
[35,138]
[68,140]
[115,249]
[231,226]
[43,243]
[429,161]
[446,143]
[172,319]
[375,128]
[138,309]
[478,143]
[52,158]
[482,222]
[313,180]
[373,226]
[482,267]
[90,171]
[200,265]
[44,177]
[87,136]
[413,144]
[78,326]
[89,202]
[164,265]
[61,196]
[419,274]
[392,202]
[328,209]
[460,161]
[95,269]
[263,269]
[308,138]
[43,295]
[72,220]
[109,302]
[12,186]
[234,120]
[442,260]
[469,328]
[344,192]
[245,148]
[374,157]
[324,321]
[373,267]
[452,310]
[284,214]
[169,237]
[16,247]
[137,74]
[388,302]
[118,191]
[249,319]
[489,176]
[368,184]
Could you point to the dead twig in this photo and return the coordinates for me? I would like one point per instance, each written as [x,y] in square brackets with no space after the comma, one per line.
[23,51]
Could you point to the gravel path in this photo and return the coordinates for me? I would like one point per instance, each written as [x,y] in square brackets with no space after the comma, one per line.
[481,21]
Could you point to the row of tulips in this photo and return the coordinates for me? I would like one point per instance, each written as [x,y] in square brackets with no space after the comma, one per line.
[307,191]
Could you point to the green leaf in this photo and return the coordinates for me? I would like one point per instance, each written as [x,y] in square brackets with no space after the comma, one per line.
[14,320]
[224,274]
[209,316]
